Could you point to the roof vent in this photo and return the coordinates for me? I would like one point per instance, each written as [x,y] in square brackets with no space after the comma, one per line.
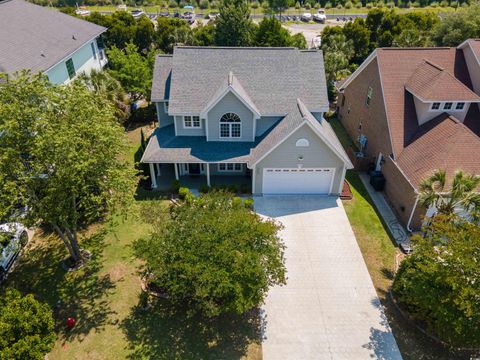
[230,78]
[73,37]
[42,54]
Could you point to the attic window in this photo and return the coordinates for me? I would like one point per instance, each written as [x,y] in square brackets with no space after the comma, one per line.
[447,106]
[435,106]
[460,106]
[302,143]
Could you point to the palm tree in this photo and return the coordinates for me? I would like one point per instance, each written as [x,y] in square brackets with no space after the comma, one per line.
[463,193]
[103,83]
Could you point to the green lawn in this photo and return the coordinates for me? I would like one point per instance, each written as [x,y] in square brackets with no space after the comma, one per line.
[105,296]
[380,253]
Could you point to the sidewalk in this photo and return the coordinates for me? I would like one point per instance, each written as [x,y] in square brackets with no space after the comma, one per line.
[396,229]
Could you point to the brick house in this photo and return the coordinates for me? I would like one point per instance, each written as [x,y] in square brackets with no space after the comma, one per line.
[418,110]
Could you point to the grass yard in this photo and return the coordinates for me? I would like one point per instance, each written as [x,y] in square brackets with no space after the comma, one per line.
[104,297]
[380,252]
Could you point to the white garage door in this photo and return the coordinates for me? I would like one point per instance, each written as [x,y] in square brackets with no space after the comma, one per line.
[297,181]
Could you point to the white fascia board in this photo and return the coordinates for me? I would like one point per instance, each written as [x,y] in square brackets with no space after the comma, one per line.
[215,101]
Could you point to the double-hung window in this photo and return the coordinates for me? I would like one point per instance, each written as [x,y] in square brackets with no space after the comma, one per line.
[191,121]
[229,167]
[230,126]
[70,68]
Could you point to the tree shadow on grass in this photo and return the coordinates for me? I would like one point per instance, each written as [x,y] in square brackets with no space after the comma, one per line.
[82,294]
[166,332]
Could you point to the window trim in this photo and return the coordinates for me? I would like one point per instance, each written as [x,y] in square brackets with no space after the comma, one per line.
[73,67]
[445,105]
[436,109]
[185,126]
[462,108]
[234,165]
[230,131]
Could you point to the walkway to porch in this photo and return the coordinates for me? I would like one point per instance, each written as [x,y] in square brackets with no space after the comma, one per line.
[194,182]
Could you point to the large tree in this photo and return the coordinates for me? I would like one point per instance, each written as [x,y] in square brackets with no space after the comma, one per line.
[26,327]
[214,254]
[271,33]
[133,70]
[457,27]
[439,283]
[461,194]
[61,155]
[164,36]
[234,27]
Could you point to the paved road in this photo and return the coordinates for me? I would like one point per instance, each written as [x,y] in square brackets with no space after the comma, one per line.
[329,308]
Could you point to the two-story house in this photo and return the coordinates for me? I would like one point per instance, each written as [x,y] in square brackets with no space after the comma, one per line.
[415,110]
[244,113]
[45,40]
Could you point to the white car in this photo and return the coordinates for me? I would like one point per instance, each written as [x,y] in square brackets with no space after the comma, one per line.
[137,13]
[317,42]
[13,237]
[320,16]
[306,17]
[81,11]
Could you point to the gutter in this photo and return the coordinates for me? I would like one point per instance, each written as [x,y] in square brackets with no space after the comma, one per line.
[411,214]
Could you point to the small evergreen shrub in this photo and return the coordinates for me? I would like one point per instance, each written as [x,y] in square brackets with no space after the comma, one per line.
[358,5]
[297,5]
[204,4]
[183,192]
[172,4]
[348,5]
[328,5]
[237,201]
[249,203]
[255,5]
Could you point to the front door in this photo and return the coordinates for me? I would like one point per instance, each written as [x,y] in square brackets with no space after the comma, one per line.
[194,169]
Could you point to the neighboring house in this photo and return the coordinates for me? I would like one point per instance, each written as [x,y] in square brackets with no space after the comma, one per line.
[45,40]
[418,109]
[228,115]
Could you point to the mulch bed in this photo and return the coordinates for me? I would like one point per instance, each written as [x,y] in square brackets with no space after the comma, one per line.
[346,193]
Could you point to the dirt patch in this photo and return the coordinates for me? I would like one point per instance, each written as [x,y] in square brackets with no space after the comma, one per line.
[117,272]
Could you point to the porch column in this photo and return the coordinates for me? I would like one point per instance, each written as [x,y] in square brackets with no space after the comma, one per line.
[157,165]
[253,179]
[175,165]
[208,174]
[153,176]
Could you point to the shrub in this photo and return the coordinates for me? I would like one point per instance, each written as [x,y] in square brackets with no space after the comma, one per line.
[390,4]
[204,4]
[172,4]
[175,186]
[348,5]
[307,6]
[328,5]
[249,203]
[255,5]
[232,188]
[237,201]
[297,5]
[316,6]
[444,3]
[454,4]
[358,5]
[26,327]
[265,5]
[434,4]
[339,6]
[214,5]
[227,269]
[204,188]
[244,188]
[183,192]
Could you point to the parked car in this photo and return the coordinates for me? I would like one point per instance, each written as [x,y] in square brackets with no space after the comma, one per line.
[189,16]
[320,16]
[13,237]
[164,14]
[306,17]
[122,7]
[317,41]
[137,13]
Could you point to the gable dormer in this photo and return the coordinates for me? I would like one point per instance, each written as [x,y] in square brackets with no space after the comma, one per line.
[471,53]
[436,91]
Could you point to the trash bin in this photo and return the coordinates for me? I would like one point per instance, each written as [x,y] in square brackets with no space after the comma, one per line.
[377,180]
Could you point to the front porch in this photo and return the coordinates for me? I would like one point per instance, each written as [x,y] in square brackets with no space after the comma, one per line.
[163,175]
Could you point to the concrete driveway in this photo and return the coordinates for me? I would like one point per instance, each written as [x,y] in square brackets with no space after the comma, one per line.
[329,308]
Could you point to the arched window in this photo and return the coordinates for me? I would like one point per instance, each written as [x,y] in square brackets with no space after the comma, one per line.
[302,143]
[230,126]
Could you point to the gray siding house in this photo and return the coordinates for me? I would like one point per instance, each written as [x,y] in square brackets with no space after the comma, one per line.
[244,115]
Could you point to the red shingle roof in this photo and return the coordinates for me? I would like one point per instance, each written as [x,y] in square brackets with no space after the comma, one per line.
[430,82]
[442,143]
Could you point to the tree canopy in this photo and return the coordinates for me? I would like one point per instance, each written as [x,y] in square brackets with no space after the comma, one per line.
[438,283]
[270,33]
[61,155]
[26,327]
[213,253]
[234,27]
[459,26]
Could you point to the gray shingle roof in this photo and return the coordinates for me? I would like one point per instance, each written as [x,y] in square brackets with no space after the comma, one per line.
[272,77]
[37,38]
[162,77]
[298,116]
[165,147]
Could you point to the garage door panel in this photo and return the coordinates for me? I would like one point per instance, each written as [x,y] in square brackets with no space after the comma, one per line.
[297,180]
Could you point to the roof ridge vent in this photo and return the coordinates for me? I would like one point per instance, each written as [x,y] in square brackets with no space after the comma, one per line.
[230,78]
[434,65]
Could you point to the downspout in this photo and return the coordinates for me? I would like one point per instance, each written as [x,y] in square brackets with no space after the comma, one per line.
[411,214]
